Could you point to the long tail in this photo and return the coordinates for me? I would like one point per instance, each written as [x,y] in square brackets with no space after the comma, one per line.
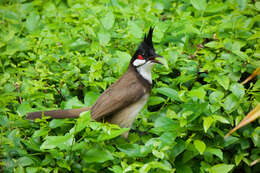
[67,113]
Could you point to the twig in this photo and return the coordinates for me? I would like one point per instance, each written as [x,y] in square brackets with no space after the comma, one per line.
[59,91]
[19,91]
[253,75]
[255,162]
[196,51]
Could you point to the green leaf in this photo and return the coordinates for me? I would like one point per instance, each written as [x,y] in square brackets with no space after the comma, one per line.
[146,167]
[32,22]
[57,123]
[78,44]
[132,150]
[4,121]
[158,154]
[64,164]
[230,140]
[242,4]
[216,96]
[223,168]
[104,37]
[238,158]
[230,102]
[257,85]
[97,155]
[199,4]
[257,6]
[123,60]
[181,168]
[155,100]
[168,138]
[169,92]
[223,81]
[214,44]
[207,121]
[25,161]
[62,142]
[24,108]
[32,169]
[108,20]
[41,132]
[165,124]
[215,151]
[199,93]
[238,90]
[90,98]
[221,119]
[82,122]
[134,29]
[18,44]
[73,103]
[112,134]
[200,146]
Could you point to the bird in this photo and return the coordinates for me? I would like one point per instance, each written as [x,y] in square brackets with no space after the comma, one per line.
[121,102]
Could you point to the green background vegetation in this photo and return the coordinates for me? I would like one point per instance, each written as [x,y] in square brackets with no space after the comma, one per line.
[63,53]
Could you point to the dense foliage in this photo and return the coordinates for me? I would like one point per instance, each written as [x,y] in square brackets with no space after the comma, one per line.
[57,54]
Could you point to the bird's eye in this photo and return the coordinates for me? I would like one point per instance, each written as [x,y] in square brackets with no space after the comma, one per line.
[140,57]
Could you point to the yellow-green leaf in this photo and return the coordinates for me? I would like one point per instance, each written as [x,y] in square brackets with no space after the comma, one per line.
[200,146]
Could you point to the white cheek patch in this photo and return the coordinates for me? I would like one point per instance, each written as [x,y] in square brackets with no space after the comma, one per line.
[139,62]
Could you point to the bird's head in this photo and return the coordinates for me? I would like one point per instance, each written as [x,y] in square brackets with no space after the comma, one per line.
[145,54]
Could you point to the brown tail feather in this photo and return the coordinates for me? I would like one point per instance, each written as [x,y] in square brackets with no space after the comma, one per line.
[59,114]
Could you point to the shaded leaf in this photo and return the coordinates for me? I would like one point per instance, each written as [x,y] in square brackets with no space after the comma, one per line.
[215,151]
[169,92]
[97,155]
[25,161]
[132,150]
[155,100]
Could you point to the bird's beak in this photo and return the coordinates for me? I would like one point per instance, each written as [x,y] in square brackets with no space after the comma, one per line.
[153,59]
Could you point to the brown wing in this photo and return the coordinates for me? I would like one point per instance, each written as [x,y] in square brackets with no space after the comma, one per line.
[124,92]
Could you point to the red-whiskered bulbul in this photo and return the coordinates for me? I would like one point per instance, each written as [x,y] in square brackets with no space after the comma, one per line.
[122,101]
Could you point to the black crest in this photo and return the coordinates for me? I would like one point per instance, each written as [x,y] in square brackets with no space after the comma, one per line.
[148,39]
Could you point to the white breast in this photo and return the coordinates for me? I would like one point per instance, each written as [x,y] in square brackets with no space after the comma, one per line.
[146,71]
